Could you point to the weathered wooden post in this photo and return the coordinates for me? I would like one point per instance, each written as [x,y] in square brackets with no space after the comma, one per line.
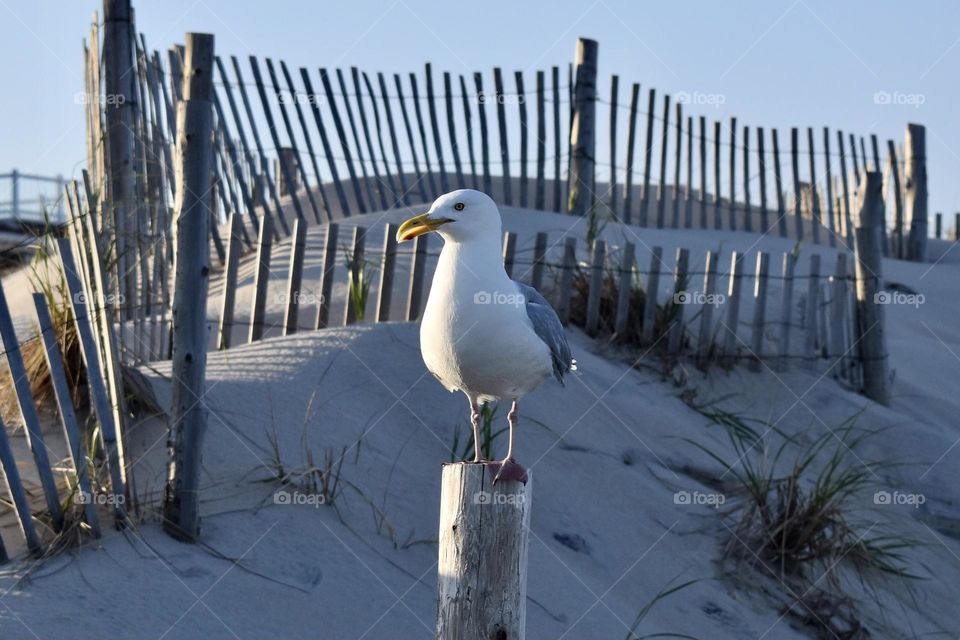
[287,157]
[583,130]
[868,249]
[915,174]
[482,570]
[188,414]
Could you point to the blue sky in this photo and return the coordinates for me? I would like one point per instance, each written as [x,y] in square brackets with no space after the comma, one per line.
[771,64]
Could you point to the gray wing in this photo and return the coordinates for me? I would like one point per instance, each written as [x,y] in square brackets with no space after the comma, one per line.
[547,325]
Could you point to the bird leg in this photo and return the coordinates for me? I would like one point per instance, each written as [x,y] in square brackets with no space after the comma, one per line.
[508,469]
[475,422]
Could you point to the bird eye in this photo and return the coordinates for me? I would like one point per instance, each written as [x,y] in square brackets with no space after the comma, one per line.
[458,207]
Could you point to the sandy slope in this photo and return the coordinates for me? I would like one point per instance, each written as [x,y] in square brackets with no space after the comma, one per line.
[607,454]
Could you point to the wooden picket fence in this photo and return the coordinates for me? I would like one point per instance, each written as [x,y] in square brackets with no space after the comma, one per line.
[388,148]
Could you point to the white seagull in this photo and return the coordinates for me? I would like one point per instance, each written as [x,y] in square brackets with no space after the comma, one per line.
[482,333]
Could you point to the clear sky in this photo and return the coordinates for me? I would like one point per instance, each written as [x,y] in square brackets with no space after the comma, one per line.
[770,63]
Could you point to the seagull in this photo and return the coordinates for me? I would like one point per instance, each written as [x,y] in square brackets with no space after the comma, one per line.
[482,333]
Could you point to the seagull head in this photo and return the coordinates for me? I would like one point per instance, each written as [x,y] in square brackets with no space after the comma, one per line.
[458,216]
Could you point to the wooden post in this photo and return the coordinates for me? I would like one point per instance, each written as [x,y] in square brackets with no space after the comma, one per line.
[468,124]
[379,182]
[595,292]
[747,213]
[482,570]
[261,281]
[325,141]
[8,463]
[344,92]
[418,112]
[778,184]
[678,156]
[811,334]
[387,267]
[938,226]
[653,287]
[831,212]
[499,99]
[452,129]
[869,280]
[188,418]
[294,277]
[703,172]
[435,126]
[797,195]
[815,221]
[717,222]
[612,182]
[915,186]
[733,174]
[120,114]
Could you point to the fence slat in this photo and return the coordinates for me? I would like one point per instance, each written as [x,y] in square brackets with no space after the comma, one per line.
[261,281]
[557,198]
[831,214]
[539,259]
[733,174]
[306,139]
[759,309]
[348,109]
[327,274]
[595,292]
[452,130]
[705,334]
[811,335]
[762,167]
[612,186]
[540,195]
[524,135]
[387,267]
[717,221]
[379,183]
[395,199]
[341,136]
[747,212]
[509,251]
[814,194]
[678,157]
[732,321]
[468,124]
[628,163]
[703,172]
[484,141]
[647,159]
[228,298]
[653,287]
[688,190]
[28,413]
[394,142]
[20,501]
[847,223]
[415,99]
[778,184]
[502,131]
[355,310]
[664,143]
[417,278]
[838,314]
[325,143]
[679,295]
[294,278]
[624,289]
[109,434]
[68,418]
[434,124]
[288,127]
[566,279]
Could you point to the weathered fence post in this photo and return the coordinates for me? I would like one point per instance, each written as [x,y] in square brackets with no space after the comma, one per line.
[188,415]
[482,570]
[870,329]
[915,174]
[583,130]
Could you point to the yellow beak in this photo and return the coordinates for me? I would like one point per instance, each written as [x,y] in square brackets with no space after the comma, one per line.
[417,226]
